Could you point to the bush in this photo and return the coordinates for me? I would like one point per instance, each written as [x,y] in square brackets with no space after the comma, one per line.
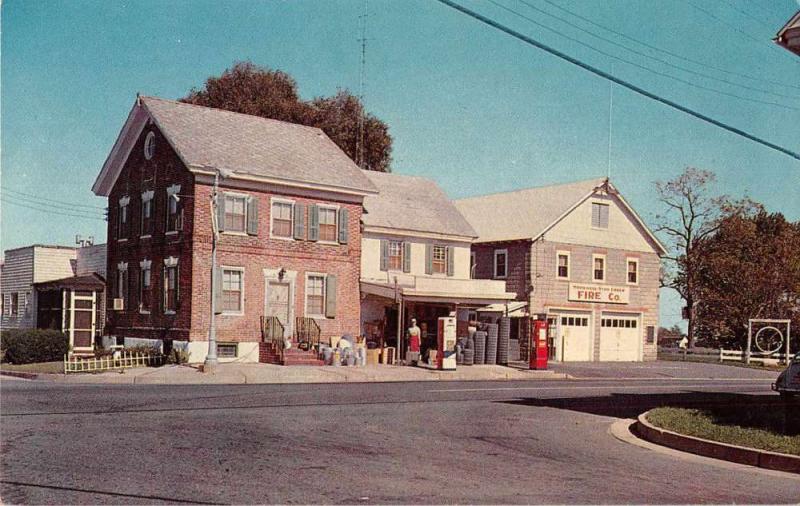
[26,346]
[177,356]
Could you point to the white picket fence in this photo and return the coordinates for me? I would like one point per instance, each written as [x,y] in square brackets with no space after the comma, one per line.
[764,358]
[125,360]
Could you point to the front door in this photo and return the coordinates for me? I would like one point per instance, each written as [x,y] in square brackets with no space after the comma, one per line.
[278,303]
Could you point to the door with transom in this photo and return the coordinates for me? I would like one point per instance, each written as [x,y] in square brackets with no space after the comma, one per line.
[278,304]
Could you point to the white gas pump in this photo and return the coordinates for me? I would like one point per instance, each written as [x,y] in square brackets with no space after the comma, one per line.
[446,341]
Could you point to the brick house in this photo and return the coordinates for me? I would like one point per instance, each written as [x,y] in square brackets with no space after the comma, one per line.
[789,35]
[415,261]
[579,253]
[289,248]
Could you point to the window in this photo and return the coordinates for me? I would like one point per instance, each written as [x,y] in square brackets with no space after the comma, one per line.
[599,267]
[439,259]
[147,214]
[562,270]
[282,219]
[123,218]
[232,290]
[315,295]
[599,215]
[235,213]
[121,288]
[174,209]
[651,334]
[327,224]
[633,271]
[500,263]
[170,285]
[145,286]
[150,145]
[472,265]
[14,304]
[227,350]
[395,255]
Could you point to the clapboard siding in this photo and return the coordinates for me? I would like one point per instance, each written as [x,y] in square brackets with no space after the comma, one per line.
[53,263]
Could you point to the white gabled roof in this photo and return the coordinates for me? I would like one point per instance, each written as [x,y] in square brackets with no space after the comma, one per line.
[527,214]
[207,139]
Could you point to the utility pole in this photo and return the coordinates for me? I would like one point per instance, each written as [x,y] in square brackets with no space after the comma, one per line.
[211,362]
[361,126]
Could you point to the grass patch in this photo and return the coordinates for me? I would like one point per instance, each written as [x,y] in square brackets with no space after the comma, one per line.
[776,429]
[37,367]
[714,359]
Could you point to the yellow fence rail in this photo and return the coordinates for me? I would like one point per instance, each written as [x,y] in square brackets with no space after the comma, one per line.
[125,360]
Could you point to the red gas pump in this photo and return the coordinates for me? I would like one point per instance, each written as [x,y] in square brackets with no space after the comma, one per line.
[538,342]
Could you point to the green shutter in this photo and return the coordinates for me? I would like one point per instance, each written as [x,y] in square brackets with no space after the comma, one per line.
[429,259]
[449,259]
[299,221]
[220,211]
[330,296]
[406,257]
[344,223]
[252,215]
[313,223]
[384,255]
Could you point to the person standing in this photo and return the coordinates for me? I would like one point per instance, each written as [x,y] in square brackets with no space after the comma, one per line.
[414,334]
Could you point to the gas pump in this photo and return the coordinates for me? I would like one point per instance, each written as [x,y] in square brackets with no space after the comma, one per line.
[538,342]
[446,343]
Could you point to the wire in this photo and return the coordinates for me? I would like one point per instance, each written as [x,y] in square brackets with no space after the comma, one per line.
[648,69]
[640,53]
[38,197]
[49,211]
[621,82]
[48,205]
[670,53]
[757,20]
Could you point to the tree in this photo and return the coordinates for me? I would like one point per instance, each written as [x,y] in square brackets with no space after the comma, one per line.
[260,91]
[748,268]
[669,337]
[691,214]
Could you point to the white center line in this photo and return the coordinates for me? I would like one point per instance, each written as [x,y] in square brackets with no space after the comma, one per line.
[578,387]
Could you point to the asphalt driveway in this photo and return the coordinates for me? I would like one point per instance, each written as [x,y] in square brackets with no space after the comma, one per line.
[658,370]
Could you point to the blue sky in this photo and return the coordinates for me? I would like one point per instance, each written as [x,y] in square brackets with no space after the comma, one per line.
[467,105]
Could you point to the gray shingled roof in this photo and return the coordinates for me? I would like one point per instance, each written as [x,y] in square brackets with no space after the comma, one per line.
[522,214]
[412,203]
[218,139]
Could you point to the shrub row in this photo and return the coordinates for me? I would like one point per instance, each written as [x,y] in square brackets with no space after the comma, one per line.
[26,346]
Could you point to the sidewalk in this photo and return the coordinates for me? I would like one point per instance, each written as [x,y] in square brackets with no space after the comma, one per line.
[266,373]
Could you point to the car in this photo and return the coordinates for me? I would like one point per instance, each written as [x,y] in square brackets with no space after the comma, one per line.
[788,382]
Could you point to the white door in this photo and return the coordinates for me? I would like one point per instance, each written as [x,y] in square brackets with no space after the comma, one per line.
[620,339]
[278,303]
[576,338]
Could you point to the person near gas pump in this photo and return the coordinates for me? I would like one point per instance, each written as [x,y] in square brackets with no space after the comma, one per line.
[414,335]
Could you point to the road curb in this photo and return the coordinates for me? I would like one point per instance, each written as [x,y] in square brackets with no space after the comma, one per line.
[707,448]
[17,374]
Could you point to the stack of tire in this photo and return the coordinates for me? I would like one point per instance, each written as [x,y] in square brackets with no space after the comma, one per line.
[492,333]
[503,341]
[469,350]
[480,347]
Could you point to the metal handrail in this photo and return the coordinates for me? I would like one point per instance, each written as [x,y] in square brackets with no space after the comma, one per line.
[307,331]
[272,330]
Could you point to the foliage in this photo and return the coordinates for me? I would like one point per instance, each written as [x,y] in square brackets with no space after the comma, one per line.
[177,356]
[669,337]
[260,91]
[145,349]
[748,268]
[774,429]
[26,346]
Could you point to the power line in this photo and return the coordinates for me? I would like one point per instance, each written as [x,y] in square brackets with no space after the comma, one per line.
[745,13]
[621,82]
[643,67]
[703,64]
[662,61]
[7,200]
[39,197]
[48,205]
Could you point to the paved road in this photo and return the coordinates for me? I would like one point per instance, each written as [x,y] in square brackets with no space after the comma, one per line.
[445,442]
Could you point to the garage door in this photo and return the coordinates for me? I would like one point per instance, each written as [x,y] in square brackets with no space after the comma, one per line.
[576,339]
[620,338]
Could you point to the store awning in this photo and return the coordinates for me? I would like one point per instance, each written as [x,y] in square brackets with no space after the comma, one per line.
[92,282]
[514,308]
[442,290]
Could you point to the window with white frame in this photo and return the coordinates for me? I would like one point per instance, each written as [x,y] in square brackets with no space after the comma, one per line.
[122,218]
[562,265]
[439,259]
[633,271]
[599,215]
[327,224]
[170,285]
[235,213]
[282,224]
[14,305]
[121,288]
[145,286]
[395,255]
[174,209]
[598,267]
[315,295]
[232,290]
[472,265]
[500,263]
[147,214]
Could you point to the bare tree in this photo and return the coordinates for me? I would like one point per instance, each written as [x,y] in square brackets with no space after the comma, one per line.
[691,214]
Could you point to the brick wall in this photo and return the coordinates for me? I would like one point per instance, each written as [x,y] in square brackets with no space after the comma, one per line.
[137,176]
[256,253]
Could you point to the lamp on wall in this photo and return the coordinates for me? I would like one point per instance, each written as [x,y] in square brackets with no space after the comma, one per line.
[281,274]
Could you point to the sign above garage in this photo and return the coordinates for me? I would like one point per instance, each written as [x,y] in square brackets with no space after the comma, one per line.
[607,294]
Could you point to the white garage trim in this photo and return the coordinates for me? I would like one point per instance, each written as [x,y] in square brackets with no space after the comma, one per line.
[578,325]
[618,332]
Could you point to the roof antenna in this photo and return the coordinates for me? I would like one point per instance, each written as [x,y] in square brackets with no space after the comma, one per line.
[361,126]
[138,99]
